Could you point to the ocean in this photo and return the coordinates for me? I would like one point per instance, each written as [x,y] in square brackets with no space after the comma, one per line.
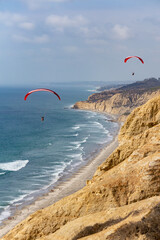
[36,155]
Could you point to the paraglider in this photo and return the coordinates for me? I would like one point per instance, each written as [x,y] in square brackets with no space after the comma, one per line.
[126,59]
[41,89]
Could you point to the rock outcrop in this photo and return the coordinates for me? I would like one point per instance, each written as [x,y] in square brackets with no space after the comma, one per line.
[121,201]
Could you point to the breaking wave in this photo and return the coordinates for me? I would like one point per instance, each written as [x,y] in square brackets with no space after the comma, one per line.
[13,166]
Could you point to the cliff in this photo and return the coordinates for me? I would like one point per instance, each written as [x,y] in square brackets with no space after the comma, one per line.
[120,102]
[121,201]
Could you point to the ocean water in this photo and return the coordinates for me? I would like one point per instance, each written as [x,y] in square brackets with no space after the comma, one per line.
[34,155]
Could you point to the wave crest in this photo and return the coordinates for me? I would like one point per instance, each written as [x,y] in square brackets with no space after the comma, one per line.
[13,166]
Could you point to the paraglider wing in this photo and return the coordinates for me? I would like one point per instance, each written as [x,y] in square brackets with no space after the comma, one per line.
[126,59]
[41,89]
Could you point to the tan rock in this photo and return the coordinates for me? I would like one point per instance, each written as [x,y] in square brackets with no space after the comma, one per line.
[141,119]
[119,104]
[129,222]
[137,131]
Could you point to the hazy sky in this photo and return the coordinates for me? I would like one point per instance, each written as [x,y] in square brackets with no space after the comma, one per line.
[45,41]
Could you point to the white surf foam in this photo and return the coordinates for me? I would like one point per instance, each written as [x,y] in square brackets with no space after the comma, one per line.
[90,115]
[75,135]
[2,173]
[77,156]
[100,126]
[84,140]
[13,166]
[69,106]
[18,199]
[71,135]
[76,127]
[71,148]
[78,143]
[93,90]
[5,214]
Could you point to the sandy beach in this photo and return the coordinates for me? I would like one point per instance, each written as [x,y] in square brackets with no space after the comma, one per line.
[76,182]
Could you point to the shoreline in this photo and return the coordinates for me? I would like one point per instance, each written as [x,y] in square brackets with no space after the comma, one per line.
[76,182]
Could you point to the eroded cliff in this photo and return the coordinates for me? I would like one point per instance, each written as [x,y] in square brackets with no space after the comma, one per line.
[119,104]
[121,201]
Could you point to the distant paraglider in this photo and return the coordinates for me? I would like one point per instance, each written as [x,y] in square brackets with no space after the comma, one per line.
[126,59]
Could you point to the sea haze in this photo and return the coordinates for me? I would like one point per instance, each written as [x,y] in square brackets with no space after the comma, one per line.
[34,155]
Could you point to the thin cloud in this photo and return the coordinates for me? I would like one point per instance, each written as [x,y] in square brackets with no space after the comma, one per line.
[62,22]
[92,32]
[27,25]
[121,32]
[41,39]
[35,39]
[71,49]
[98,42]
[158,38]
[9,19]
[59,1]
[36,4]
[20,38]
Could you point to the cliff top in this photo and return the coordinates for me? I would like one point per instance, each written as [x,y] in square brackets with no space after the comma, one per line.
[139,87]
[144,84]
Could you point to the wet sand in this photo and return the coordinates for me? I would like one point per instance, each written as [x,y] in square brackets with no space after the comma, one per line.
[75,183]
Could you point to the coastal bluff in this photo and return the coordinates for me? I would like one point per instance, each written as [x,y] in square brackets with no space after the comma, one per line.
[121,201]
[121,101]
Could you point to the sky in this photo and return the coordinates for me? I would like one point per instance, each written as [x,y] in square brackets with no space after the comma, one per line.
[47,41]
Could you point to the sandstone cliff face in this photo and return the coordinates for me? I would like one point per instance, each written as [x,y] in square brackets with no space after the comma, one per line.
[121,201]
[119,104]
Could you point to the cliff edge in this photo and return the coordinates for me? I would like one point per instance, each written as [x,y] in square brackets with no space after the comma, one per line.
[120,102]
[121,201]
